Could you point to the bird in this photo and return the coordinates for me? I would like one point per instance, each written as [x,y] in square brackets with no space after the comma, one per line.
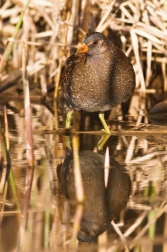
[97,77]
[102,204]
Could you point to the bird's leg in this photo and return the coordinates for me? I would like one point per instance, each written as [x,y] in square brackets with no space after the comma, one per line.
[67,126]
[105,137]
[101,116]
[68,119]
[102,141]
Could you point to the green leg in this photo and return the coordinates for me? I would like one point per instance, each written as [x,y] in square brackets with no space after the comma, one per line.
[67,126]
[102,141]
[68,119]
[101,116]
[68,142]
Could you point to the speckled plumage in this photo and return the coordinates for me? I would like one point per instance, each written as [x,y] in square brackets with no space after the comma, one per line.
[98,79]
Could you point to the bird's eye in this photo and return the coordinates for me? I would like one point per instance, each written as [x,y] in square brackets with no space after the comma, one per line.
[95,42]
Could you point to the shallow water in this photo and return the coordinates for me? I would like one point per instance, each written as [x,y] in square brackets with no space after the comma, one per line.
[138,148]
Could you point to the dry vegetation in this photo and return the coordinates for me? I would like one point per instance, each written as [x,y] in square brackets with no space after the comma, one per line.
[53,29]
[38,36]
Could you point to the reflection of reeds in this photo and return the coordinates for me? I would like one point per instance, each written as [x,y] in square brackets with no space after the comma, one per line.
[29,148]
[4,164]
[51,30]
[79,191]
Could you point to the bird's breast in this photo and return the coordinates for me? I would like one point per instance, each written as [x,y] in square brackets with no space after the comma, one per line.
[91,85]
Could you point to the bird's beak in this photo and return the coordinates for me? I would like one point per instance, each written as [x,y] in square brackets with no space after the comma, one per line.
[82,49]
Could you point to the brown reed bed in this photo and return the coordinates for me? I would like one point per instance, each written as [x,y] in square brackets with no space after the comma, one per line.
[52,30]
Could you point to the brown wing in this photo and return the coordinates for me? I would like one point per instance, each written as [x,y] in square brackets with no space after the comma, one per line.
[66,78]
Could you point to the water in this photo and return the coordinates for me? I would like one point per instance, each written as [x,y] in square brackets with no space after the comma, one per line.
[136,148]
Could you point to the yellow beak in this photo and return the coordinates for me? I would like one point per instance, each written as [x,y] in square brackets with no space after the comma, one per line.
[83,49]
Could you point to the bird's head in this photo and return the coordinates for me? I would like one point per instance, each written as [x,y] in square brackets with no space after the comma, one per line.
[94,43]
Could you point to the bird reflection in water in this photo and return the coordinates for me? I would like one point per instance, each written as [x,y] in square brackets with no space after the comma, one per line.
[102,204]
